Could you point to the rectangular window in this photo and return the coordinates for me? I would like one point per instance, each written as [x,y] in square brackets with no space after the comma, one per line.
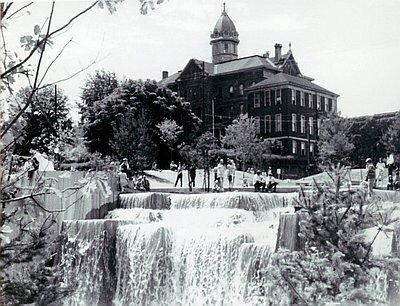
[267,101]
[297,97]
[302,124]
[330,108]
[310,101]
[311,148]
[293,97]
[318,102]
[311,124]
[257,100]
[302,99]
[278,96]
[294,147]
[258,125]
[322,103]
[294,122]
[326,104]
[278,123]
[267,123]
[303,148]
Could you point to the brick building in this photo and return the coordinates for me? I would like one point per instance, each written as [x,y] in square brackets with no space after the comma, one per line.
[286,104]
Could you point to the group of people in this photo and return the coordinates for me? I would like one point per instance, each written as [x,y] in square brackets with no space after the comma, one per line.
[222,172]
[179,177]
[375,174]
[263,184]
[130,181]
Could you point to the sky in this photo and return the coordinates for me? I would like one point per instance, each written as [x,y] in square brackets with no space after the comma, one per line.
[348,47]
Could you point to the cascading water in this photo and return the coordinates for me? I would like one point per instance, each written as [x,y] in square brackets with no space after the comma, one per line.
[203,250]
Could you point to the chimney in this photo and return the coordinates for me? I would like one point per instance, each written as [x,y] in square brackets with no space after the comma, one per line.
[164,74]
[266,54]
[278,52]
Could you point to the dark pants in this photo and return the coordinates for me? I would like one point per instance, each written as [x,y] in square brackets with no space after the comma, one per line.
[193,181]
[259,186]
[179,177]
[272,186]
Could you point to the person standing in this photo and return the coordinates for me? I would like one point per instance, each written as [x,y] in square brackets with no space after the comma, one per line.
[180,174]
[192,176]
[231,170]
[221,169]
[124,167]
[380,168]
[390,163]
[371,175]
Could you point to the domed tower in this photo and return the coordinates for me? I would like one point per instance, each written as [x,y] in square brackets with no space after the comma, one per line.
[224,39]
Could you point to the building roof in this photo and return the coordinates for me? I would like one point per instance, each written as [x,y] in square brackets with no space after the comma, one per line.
[286,79]
[243,64]
[171,79]
[224,26]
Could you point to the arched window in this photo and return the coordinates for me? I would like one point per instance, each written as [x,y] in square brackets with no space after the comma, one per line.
[225,47]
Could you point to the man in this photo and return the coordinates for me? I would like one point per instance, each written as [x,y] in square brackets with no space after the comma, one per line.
[370,175]
[192,176]
[173,166]
[390,163]
[221,169]
[231,170]
[124,167]
[258,181]
[271,183]
[180,174]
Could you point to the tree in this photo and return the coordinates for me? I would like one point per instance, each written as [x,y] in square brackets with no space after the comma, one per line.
[241,136]
[335,142]
[170,133]
[336,262]
[134,139]
[43,125]
[391,139]
[140,99]
[202,152]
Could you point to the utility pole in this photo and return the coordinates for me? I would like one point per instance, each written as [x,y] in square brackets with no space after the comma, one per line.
[202,102]
[213,117]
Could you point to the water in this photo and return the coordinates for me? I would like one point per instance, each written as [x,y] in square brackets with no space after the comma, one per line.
[174,249]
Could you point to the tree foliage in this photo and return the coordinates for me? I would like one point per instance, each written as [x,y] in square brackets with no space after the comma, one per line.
[336,263]
[391,139]
[241,137]
[139,99]
[335,141]
[44,125]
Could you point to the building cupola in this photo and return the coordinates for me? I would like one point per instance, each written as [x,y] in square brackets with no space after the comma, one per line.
[224,39]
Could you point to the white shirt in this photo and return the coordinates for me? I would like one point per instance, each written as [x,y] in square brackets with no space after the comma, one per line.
[231,169]
[258,178]
[220,170]
[380,166]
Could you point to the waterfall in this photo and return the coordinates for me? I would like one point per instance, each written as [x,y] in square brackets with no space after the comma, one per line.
[148,200]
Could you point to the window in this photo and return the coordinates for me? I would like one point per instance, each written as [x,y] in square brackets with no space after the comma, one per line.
[303,148]
[294,147]
[278,96]
[294,123]
[234,48]
[302,99]
[225,48]
[326,104]
[297,97]
[302,124]
[311,124]
[278,123]
[231,112]
[293,97]
[318,102]
[330,108]
[267,101]
[241,89]
[267,124]
[318,125]
[241,109]
[310,101]
[256,100]
[258,125]
[311,148]
[231,91]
